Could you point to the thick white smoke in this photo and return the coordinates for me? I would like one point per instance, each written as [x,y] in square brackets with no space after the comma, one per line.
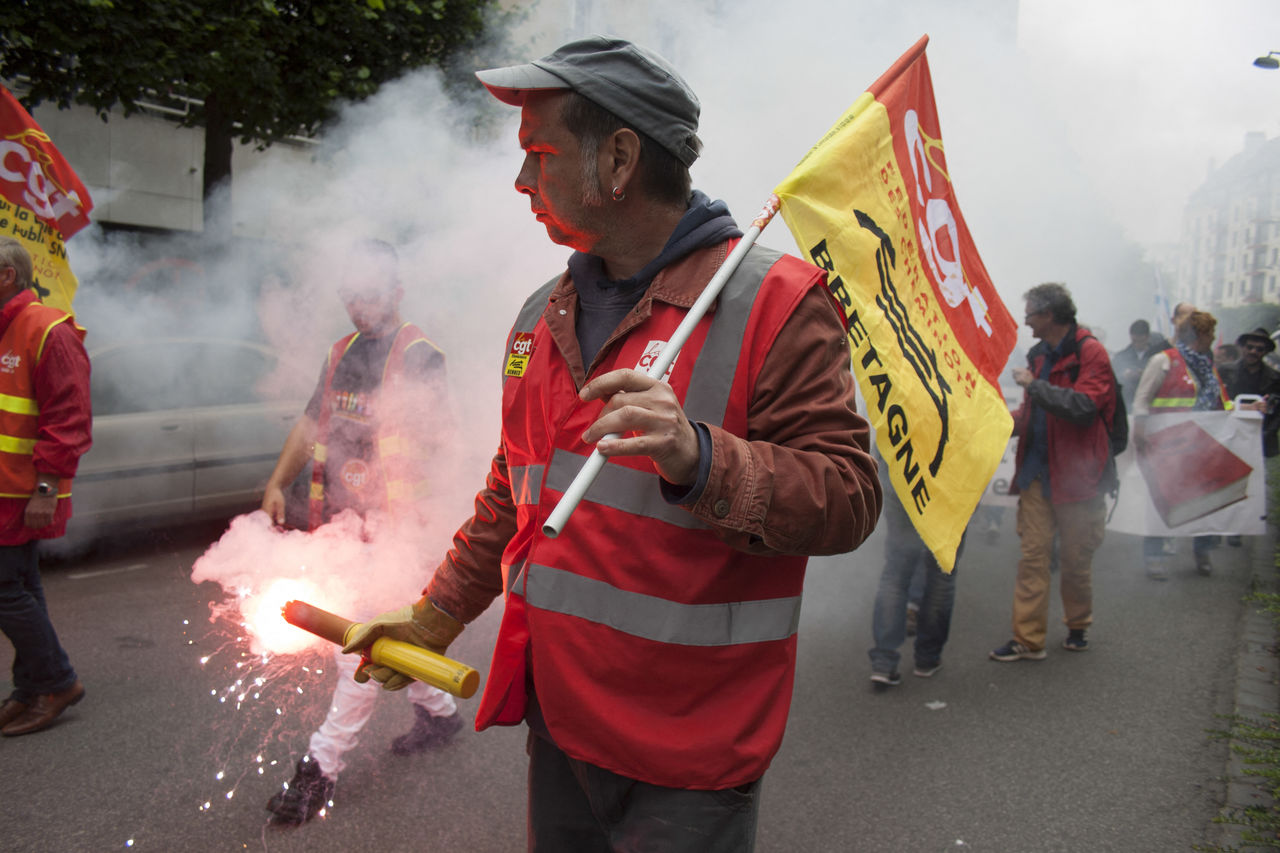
[1070,133]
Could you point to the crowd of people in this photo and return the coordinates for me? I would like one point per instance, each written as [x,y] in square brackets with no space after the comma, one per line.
[1065,467]
[727,474]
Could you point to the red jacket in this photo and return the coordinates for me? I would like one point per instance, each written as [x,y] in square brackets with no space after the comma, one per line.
[57,370]
[1079,398]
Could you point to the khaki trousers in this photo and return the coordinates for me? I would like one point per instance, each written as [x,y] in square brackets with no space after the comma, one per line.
[1079,528]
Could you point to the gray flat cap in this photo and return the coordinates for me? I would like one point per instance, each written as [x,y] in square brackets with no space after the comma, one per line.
[635,84]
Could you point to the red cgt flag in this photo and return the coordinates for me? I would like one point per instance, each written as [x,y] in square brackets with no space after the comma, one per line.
[42,202]
[873,203]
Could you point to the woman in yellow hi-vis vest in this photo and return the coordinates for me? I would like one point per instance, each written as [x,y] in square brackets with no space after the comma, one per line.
[1180,379]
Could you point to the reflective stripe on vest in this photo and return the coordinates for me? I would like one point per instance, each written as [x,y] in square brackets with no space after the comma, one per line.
[526,483]
[13,444]
[651,618]
[19,405]
[620,487]
[636,492]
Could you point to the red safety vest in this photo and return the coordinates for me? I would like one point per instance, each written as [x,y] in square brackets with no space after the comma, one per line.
[23,346]
[1178,391]
[393,478]
[659,652]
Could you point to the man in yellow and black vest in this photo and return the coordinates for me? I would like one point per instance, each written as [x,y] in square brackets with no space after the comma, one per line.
[365,457]
[45,422]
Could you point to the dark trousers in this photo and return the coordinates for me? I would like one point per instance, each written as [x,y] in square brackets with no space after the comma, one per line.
[576,806]
[39,663]
[905,559]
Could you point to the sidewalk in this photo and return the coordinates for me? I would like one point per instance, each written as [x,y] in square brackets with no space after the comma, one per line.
[1257,685]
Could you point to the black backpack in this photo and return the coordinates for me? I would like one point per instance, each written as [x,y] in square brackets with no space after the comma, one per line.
[1118,429]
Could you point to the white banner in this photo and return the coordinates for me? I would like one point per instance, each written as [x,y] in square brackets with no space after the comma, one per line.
[1201,472]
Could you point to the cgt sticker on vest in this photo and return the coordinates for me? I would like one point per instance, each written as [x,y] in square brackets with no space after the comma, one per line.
[521,352]
[10,362]
[354,474]
[651,355]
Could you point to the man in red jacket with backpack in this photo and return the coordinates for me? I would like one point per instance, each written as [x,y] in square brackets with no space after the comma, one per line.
[1063,471]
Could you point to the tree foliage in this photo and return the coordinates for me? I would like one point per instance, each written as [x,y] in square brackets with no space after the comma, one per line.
[261,69]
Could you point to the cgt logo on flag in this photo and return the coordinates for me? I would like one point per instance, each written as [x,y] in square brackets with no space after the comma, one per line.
[873,204]
[42,202]
[25,163]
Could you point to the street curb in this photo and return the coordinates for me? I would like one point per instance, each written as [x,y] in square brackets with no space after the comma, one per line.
[1257,684]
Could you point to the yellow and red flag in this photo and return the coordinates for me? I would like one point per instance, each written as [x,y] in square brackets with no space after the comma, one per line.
[42,202]
[873,203]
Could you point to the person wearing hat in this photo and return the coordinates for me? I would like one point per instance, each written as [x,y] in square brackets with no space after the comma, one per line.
[1252,375]
[650,647]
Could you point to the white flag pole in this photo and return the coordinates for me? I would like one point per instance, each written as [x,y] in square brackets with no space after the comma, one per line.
[555,522]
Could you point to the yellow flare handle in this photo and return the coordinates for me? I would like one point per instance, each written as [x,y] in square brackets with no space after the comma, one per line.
[414,661]
[424,665]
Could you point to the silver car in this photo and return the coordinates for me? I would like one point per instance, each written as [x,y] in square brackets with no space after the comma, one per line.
[183,429]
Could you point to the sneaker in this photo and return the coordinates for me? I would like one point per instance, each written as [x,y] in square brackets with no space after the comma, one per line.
[304,796]
[1204,566]
[1156,570]
[926,671]
[1013,650]
[1075,641]
[428,732]
[886,679]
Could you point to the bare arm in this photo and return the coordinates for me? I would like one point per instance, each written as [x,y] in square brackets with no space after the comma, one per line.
[298,448]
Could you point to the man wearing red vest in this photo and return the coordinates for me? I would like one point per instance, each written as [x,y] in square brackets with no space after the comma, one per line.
[651,646]
[364,433]
[45,423]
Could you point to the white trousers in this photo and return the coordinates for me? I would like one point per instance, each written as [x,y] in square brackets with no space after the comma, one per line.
[351,708]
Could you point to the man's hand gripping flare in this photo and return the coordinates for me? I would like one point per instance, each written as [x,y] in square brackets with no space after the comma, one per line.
[421,624]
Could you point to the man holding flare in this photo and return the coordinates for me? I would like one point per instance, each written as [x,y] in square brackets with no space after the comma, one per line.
[684,563]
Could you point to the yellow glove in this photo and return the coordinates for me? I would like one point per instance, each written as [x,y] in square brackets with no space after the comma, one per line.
[420,624]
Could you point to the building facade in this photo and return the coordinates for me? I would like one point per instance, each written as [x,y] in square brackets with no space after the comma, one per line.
[1231,231]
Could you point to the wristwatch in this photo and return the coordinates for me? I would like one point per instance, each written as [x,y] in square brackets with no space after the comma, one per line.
[47,490]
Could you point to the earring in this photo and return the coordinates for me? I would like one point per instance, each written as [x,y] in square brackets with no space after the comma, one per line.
[619,193]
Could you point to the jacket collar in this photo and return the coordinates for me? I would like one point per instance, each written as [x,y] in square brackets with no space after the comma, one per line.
[1069,345]
[679,284]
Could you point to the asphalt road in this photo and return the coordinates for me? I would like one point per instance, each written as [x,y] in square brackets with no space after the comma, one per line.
[1101,751]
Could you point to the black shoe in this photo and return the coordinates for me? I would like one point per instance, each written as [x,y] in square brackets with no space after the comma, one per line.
[428,732]
[1076,640]
[880,680]
[304,796]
